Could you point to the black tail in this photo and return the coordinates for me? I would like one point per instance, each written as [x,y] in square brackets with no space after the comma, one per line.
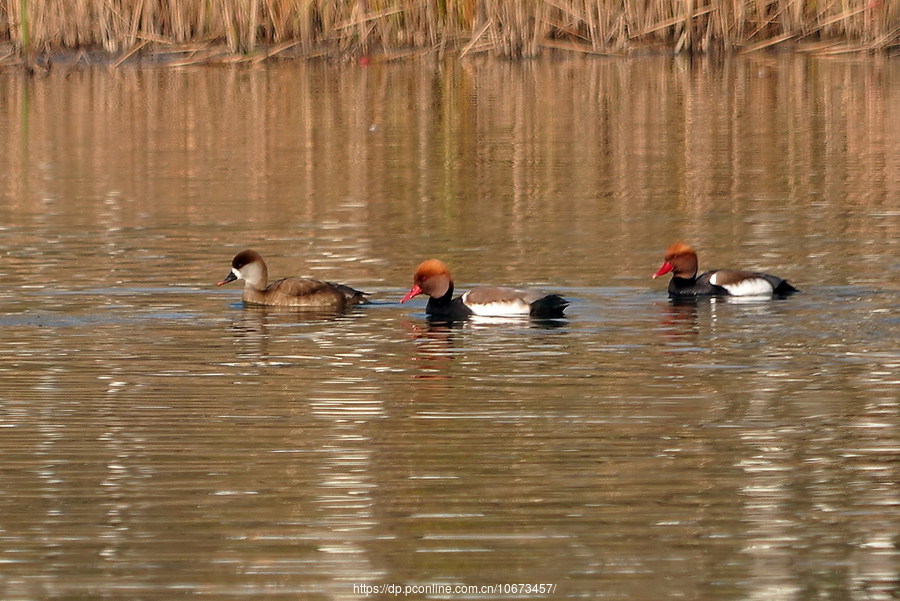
[784,289]
[549,306]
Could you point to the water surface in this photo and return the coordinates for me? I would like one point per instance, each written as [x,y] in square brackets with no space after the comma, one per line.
[160,441]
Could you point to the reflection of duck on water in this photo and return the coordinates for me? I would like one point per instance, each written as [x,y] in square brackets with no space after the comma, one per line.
[434,347]
[679,318]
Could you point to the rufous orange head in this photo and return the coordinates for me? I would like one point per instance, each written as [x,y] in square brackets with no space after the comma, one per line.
[680,259]
[432,278]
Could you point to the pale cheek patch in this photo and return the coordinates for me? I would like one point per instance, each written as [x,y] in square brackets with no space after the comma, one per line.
[237,273]
[748,287]
[510,308]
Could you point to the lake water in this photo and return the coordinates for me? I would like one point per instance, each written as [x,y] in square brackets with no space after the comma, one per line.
[159,441]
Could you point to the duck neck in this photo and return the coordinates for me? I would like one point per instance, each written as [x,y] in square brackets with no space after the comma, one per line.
[443,301]
[256,276]
[680,284]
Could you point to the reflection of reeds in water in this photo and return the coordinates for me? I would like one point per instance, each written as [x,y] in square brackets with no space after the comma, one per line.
[721,151]
[509,27]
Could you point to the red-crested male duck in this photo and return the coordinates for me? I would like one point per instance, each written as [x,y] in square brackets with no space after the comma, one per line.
[433,278]
[681,260]
[301,293]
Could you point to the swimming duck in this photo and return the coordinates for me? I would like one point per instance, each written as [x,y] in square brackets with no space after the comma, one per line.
[681,260]
[433,278]
[303,293]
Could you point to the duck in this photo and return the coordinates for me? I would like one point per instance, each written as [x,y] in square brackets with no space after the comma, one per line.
[681,260]
[304,293]
[433,278]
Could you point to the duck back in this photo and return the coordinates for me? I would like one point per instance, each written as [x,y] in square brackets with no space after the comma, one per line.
[305,293]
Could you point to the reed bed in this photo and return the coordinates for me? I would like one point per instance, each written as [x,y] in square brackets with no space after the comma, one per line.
[206,30]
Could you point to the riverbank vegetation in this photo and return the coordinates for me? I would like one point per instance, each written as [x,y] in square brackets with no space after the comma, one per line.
[243,30]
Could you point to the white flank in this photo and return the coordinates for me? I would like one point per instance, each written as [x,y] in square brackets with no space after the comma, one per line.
[494,319]
[510,308]
[748,287]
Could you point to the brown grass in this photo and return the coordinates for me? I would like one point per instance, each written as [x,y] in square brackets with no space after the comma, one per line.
[254,29]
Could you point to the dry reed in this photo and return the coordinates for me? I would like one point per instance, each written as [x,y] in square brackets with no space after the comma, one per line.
[254,29]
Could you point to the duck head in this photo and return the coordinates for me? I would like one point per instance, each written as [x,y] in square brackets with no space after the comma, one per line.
[432,278]
[681,260]
[249,266]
